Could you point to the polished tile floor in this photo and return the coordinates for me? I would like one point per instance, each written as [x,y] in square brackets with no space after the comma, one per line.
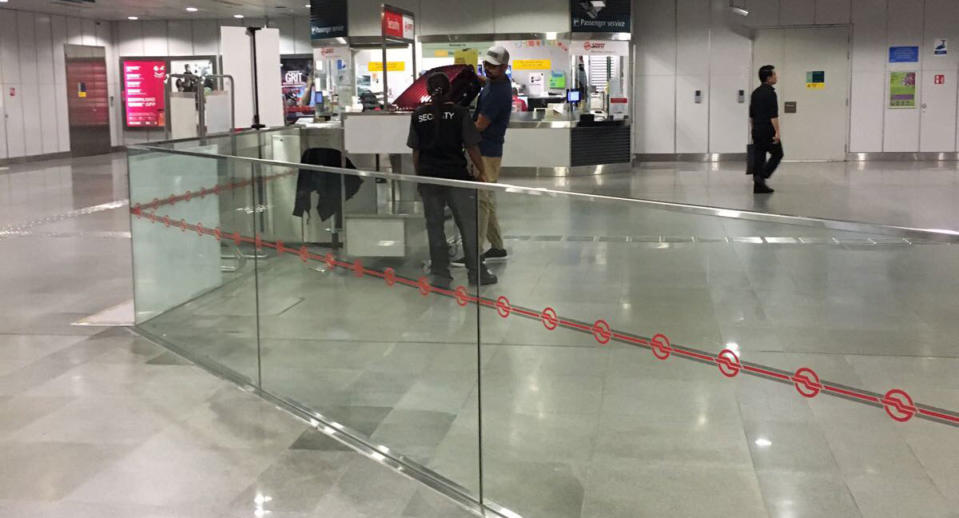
[98,422]
[569,428]
[574,429]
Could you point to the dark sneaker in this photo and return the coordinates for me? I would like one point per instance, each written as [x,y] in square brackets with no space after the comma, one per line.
[495,255]
[485,278]
[440,281]
[761,188]
[458,263]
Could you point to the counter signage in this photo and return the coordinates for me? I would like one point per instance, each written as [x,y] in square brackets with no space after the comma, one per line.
[604,48]
[606,16]
[532,64]
[392,66]
[328,19]
[398,24]
[143,92]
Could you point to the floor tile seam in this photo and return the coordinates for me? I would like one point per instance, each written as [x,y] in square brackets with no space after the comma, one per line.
[767,505]
[85,211]
[925,468]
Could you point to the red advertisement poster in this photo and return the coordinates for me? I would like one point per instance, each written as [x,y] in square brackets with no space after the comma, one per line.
[143,93]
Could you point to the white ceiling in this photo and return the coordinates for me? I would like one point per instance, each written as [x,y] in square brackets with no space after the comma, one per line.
[164,9]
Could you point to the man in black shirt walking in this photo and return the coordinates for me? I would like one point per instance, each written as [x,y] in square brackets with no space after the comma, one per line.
[439,133]
[764,121]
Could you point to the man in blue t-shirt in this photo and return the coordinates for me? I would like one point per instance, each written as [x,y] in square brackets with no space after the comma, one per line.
[492,117]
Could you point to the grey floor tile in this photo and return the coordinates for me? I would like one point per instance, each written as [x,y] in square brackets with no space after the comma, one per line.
[631,489]
[790,446]
[48,471]
[791,493]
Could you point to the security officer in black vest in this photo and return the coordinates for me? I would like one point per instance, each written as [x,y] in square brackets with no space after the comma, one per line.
[439,132]
[764,120]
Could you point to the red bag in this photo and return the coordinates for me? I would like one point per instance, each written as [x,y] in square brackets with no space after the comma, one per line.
[463,79]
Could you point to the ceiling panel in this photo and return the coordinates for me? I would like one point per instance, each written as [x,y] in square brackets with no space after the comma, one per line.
[164,9]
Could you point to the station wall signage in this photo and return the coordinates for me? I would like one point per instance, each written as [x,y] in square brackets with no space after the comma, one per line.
[600,15]
[328,19]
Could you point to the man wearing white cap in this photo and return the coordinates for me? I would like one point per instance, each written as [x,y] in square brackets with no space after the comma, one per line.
[492,117]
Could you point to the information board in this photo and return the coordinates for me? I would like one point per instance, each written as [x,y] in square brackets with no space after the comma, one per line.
[143,93]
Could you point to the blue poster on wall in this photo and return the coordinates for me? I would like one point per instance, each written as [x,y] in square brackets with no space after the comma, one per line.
[903,54]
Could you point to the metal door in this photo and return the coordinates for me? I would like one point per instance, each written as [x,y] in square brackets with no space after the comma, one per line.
[87,100]
[938,115]
[813,69]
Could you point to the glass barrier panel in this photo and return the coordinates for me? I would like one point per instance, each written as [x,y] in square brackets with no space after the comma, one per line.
[645,362]
[358,325]
[193,270]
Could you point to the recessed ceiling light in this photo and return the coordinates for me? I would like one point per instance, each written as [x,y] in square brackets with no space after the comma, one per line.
[238,16]
[307,5]
[192,9]
[132,18]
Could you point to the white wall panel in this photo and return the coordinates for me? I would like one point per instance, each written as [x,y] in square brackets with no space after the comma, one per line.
[762,13]
[27,47]
[89,29]
[231,22]
[692,37]
[155,42]
[301,35]
[180,36]
[797,12]
[728,118]
[692,120]
[46,83]
[10,77]
[453,17]
[655,34]
[32,130]
[130,39]
[74,31]
[729,51]
[905,22]
[532,16]
[901,128]
[942,22]
[59,26]
[655,115]
[866,111]
[869,52]
[9,47]
[287,43]
[50,135]
[206,37]
[105,35]
[832,11]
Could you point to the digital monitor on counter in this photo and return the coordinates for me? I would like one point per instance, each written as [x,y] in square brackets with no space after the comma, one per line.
[573,96]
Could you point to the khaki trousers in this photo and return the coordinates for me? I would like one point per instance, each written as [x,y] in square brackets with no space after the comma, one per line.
[488,224]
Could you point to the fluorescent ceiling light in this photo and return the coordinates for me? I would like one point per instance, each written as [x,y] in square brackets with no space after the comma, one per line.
[132,18]
[741,11]
[238,16]
[192,9]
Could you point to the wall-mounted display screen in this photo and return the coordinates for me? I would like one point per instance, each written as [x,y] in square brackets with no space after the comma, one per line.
[143,93]
[298,97]
[195,67]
